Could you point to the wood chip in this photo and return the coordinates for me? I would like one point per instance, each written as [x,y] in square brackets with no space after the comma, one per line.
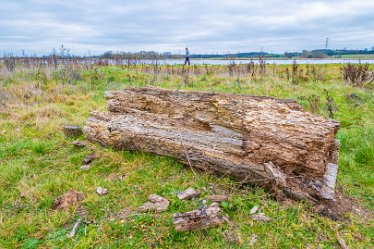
[253,210]
[88,159]
[75,228]
[217,198]
[79,144]
[156,203]
[260,217]
[341,241]
[188,194]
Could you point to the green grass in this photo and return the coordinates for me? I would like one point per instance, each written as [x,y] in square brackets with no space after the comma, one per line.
[37,165]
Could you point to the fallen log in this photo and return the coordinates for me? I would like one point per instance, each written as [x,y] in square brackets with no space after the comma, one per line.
[260,140]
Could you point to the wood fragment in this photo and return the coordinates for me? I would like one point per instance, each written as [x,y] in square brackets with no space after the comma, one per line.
[88,159]
[341,241]
[188,194]
[79,144]
[253,210]
[198,219]
[328,189]
[217,198]
[294,195]
[260,217]
[156,203]
[75,228]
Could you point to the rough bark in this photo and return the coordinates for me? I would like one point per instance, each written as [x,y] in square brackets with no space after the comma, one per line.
[72,131]
[262,140]
[198,219]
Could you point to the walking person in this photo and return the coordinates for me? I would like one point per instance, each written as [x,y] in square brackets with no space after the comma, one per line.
[187,56]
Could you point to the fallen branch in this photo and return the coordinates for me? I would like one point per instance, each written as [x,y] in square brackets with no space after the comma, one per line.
[75,228]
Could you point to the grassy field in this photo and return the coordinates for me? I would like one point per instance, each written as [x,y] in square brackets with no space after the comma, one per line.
[38,164]
[358,56]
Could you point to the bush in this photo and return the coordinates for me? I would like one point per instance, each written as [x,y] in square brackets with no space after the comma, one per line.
[357,74]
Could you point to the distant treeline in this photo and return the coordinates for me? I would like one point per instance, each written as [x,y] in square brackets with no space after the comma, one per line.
[317,53]
[144,55]
[322,53]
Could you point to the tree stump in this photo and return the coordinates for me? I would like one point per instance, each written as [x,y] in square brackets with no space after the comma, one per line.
[261,140]
[72,131]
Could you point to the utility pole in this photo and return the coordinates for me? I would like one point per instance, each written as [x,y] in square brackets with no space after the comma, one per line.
[327,44]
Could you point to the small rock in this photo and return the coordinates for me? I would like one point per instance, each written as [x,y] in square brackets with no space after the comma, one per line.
[89,159]
[68,199]
[85,167]
[188,194]
[261,217]
[217,198]
[101,191]
[253,210]
[79,144]
[156,203]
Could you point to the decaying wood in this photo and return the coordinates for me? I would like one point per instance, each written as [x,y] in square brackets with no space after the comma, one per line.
[198,219]
[156,203]
[188,194]
[75,228]
[79,144]
[72,131]
[260,140]
[217,198]
[88,159]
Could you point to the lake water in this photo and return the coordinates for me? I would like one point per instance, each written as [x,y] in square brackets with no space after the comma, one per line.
[268,61]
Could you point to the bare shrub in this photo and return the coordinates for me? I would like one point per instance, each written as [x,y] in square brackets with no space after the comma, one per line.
[357,74]
[251,69]
[330,104]
[262,66]
[10,63]
[231,68]
[315,73]
[314,101]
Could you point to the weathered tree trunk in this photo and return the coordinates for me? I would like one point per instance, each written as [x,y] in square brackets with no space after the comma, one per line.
[262,140]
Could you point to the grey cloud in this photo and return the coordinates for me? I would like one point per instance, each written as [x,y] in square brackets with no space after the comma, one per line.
[204,26]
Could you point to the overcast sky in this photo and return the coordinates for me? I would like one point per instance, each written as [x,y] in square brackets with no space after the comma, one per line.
[203,26]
